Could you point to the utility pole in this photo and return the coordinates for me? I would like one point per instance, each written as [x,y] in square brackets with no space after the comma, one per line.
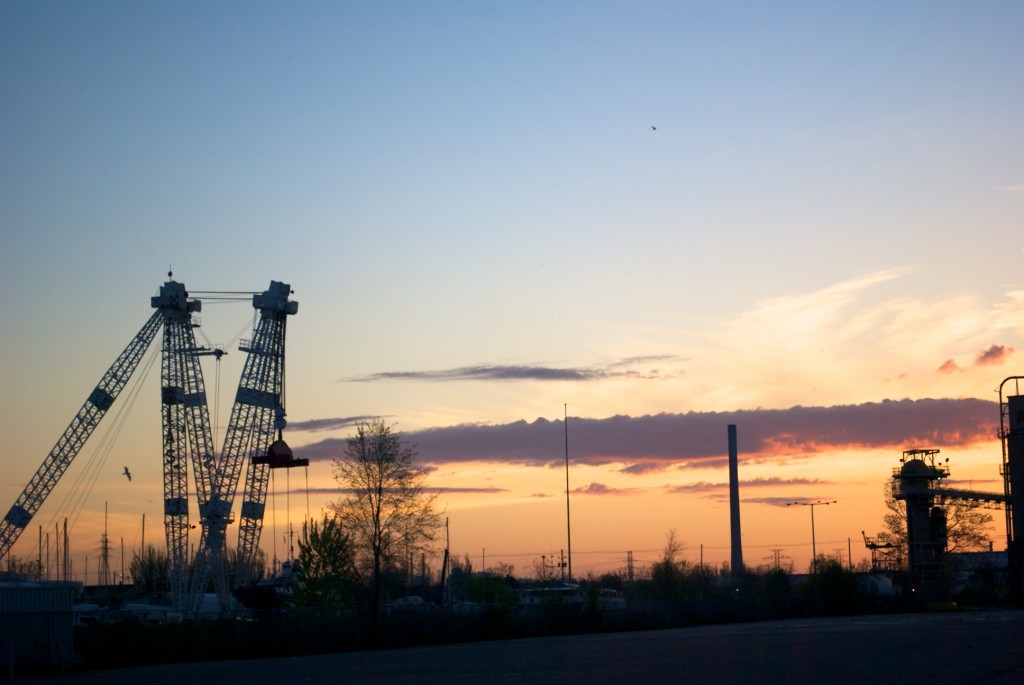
[104,574]
[777,556]
[67,565]
[568,526]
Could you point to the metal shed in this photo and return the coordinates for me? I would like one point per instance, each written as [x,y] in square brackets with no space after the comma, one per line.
[35,626]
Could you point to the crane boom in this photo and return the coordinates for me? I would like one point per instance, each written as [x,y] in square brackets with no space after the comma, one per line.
[268,421]
[75,435]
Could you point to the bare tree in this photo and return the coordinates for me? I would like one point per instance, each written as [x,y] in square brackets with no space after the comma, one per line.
[28,567]
[544,569]
[388,510]
[673,547]
[966,524]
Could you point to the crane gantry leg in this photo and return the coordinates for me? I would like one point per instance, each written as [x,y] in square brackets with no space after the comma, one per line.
[257,413]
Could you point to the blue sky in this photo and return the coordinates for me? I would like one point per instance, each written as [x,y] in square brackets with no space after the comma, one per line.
[716,207]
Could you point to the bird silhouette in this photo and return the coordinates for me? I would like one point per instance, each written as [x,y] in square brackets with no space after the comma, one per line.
[127,474]
[654,128]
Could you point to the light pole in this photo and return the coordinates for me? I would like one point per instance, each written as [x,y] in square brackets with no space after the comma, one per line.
[814,547]
[568,526]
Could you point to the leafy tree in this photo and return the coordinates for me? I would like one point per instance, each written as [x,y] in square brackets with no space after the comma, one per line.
[326,572]
[389,511]
[489,587]
[830,589]
[459,577]
[775,584]
[148,570]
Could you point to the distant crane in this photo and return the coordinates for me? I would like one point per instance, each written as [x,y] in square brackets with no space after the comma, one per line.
[885,556]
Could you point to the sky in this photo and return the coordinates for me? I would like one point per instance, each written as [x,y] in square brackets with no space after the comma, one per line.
[653,218]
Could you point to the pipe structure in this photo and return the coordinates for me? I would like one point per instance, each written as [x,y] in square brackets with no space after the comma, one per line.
[1013,446]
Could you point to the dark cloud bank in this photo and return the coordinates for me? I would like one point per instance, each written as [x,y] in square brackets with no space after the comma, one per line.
[646,443]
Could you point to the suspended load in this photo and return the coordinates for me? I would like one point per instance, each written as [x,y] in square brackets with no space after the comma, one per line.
[280,456]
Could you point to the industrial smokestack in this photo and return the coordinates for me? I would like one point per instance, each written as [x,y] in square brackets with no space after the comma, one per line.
[734,504]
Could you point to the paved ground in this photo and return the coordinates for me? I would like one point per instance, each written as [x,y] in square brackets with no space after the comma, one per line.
[983,648]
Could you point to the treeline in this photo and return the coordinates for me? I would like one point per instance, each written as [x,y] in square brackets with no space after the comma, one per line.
[487,606]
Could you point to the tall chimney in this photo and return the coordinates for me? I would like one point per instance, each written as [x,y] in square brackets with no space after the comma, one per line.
[734,504]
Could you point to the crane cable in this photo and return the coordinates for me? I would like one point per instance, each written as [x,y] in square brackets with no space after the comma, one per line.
[305,533]
[82,484]
[273,520]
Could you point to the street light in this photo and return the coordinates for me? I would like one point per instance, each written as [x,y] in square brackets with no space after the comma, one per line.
[814,547]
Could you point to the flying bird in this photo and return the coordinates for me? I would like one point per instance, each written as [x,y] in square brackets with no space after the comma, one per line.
[653,127]
[127,474]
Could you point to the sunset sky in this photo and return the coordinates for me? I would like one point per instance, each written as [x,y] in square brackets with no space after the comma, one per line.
[661,218]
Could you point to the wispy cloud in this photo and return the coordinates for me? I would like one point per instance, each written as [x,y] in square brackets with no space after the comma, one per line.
[314,425]
[698,487]
[844,342]
[775,482]
[645,443]
[642,467]
[632,368]
[718,487]
[602,489]
[341,491]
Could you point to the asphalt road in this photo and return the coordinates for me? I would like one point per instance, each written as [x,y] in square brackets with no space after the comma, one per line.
[970,648]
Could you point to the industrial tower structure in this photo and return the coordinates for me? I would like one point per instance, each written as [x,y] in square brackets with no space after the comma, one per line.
[257,416]
[917,483]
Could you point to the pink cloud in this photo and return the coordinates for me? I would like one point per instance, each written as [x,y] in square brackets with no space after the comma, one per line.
[949,366]
[997,354]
